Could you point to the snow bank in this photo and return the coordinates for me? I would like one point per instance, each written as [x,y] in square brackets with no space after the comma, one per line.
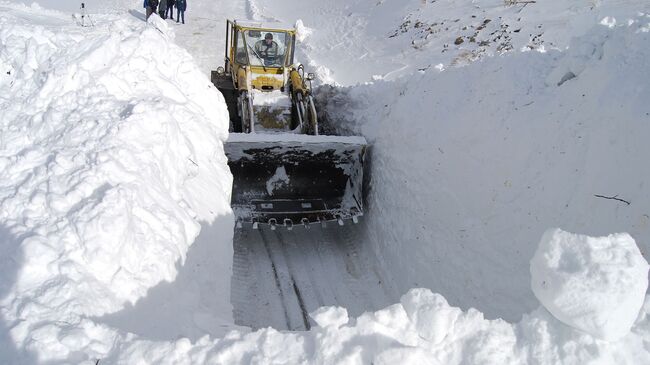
[595,284]
[110,158]
[421,329]
[469,166]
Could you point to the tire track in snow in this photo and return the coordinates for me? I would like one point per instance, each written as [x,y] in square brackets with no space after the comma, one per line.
[278,283]
[301,304]
[240,278]
[299,271]
[256,300]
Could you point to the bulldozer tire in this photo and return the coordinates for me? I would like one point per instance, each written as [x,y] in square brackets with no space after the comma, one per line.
[227,89]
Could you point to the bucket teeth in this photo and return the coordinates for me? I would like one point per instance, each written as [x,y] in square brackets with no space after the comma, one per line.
[305,222]
[288,223]
[355,219]
[340,220]
[255,225]
[273,222]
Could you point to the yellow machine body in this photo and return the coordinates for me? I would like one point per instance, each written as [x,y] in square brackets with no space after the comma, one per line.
[284,172]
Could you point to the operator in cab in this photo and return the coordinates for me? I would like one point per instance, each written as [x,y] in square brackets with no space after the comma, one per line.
[268,49]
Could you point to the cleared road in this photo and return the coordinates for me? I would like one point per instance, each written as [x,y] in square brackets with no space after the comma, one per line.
[280,276]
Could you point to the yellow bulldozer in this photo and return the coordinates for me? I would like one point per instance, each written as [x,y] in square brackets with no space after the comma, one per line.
[285,173]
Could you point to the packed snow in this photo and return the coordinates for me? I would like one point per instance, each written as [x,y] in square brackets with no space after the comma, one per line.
[112,161]
[594,284]
[115,226]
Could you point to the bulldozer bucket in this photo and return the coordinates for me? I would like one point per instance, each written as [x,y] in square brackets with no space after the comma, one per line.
[287,179]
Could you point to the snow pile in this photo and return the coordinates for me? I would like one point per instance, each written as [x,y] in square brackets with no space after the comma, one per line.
[595,284]
[110,156]
[421,329]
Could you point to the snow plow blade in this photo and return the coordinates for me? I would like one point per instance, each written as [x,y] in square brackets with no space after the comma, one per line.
[291,179]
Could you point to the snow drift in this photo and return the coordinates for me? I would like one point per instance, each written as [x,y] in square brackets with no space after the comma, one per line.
[110,157]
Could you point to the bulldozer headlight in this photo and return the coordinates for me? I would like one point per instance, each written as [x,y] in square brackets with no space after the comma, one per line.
[220,70]
[310,76]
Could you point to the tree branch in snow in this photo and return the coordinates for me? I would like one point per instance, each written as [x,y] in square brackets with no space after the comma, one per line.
[515,2]
[615,197]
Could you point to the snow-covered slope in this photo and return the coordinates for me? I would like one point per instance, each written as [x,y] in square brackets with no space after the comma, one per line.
[498,151]
[359,40]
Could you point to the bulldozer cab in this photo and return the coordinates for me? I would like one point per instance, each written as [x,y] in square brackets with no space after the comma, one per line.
[262,48]
[265,53]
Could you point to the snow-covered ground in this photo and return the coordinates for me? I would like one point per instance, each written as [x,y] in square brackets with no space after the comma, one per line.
[488,124]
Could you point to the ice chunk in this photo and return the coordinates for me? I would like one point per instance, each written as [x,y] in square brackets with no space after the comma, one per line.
[594,284]
[430,313]
[330,316]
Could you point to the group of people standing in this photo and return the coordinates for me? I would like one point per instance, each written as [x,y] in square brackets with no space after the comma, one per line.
[166,8]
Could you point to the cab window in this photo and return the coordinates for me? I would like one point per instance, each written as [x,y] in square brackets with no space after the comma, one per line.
[241,56]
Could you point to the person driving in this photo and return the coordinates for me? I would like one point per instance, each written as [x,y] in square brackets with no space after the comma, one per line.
[267,48]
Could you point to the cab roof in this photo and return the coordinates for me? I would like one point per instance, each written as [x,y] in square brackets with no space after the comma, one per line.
[265,25]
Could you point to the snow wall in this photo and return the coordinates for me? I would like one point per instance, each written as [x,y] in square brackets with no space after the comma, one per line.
[554,81]
[111,166]
[471,165]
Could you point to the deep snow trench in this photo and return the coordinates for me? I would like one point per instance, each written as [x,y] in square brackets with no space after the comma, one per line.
[117,237]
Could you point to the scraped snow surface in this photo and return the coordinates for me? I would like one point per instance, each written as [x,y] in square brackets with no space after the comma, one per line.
[487,123]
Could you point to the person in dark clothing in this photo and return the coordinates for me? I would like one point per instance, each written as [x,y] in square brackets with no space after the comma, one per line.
[162,9]
[170,9]
[181,6]
[267,49]
[150,6]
